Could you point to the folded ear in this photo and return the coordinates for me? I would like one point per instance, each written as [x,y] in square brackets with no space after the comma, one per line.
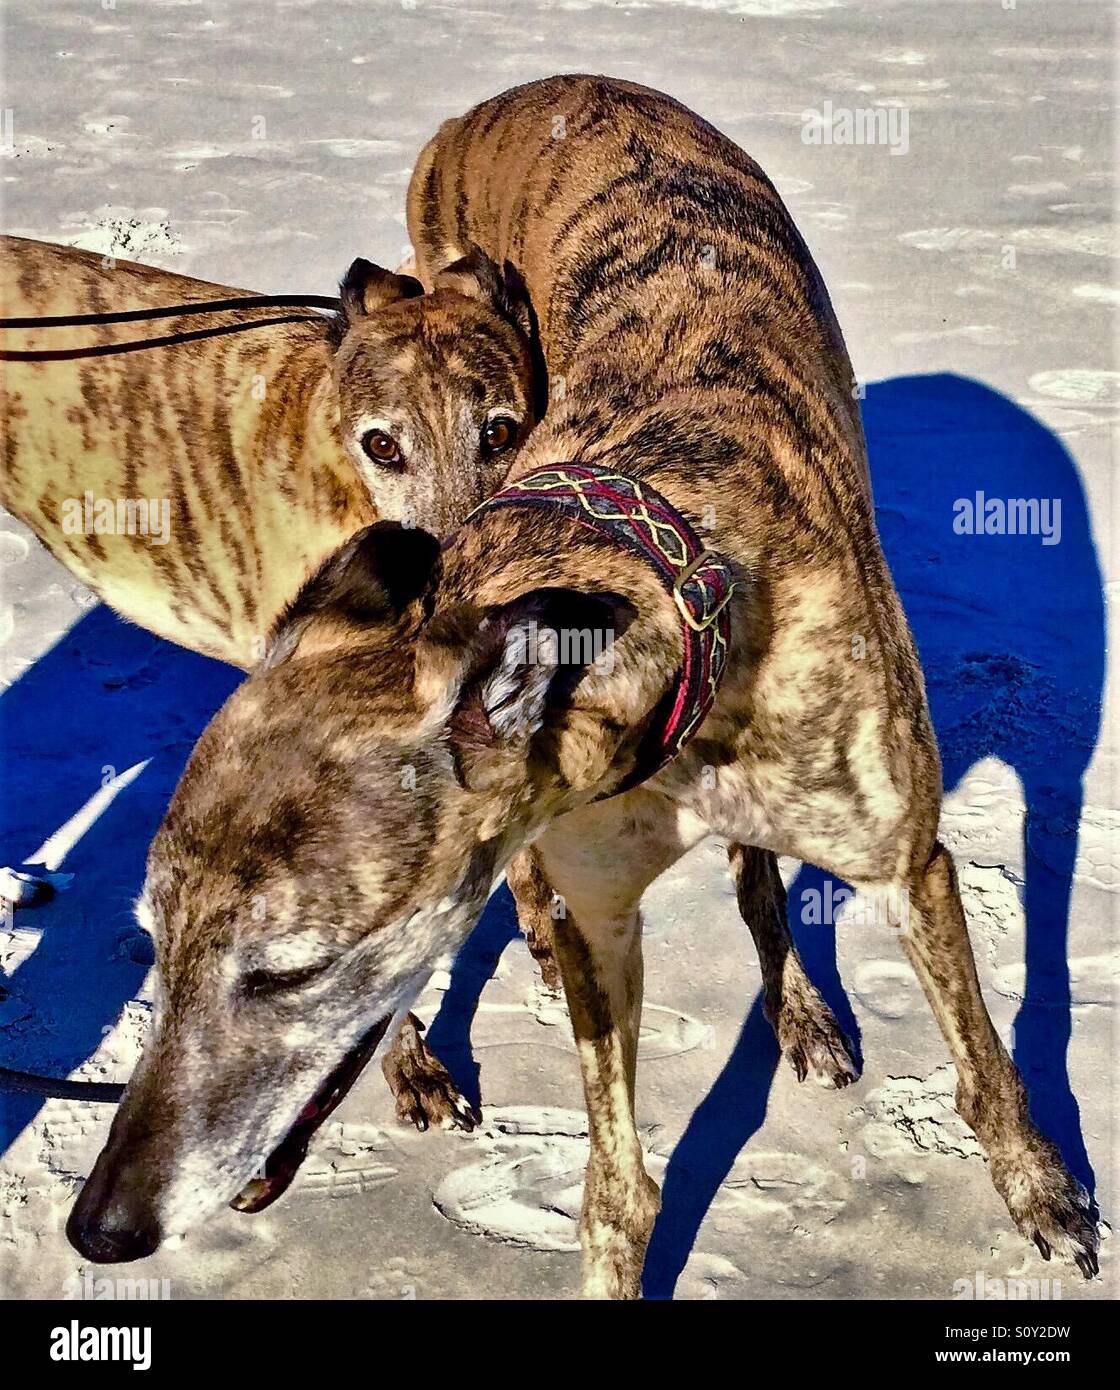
[506,671]
[374,578]
[478,277]
[366,287]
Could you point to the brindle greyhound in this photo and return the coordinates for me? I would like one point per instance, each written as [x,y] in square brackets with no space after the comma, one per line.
[268,449]
[394,752]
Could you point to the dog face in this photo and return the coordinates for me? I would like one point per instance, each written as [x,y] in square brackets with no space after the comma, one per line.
[436,392]
[339,827]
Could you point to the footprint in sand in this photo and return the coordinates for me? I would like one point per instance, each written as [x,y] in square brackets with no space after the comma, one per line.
[348,1159]
[13,549]
[887,989]
[1098,855]
[1092,980]
[664,1032]
[1079,385]
[915,1114]
[526,1188]
[993,907]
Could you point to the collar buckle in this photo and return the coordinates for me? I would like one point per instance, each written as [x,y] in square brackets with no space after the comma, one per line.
[708,616]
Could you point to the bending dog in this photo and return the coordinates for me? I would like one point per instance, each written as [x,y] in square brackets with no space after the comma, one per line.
[409,748]
[195,487]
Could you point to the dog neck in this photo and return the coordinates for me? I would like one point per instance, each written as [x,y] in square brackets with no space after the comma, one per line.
[593,746]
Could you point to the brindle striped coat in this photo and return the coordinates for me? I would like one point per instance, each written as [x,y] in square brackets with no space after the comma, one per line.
[690,342]
[253,441]
[694,345]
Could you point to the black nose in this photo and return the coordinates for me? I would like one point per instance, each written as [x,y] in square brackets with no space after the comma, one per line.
[111,1234]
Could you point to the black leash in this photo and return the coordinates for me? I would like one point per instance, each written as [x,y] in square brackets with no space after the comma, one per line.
[201,306]
[107,1092]
[111,349]
[210,306]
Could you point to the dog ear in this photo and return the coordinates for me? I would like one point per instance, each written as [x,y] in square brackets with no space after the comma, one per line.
[374,578]
[366,287]
[478,277]
[506,671]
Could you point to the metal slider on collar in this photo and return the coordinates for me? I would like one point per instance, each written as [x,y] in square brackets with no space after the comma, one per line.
[706,557]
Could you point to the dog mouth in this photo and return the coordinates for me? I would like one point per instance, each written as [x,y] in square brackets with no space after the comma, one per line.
[283,1162]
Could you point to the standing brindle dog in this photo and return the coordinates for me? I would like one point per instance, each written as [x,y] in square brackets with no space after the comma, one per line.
[377,774]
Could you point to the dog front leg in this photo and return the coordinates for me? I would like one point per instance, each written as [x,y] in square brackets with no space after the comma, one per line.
[599,861]
[535,900]
[422,1087]
[808,1033]
[601,967]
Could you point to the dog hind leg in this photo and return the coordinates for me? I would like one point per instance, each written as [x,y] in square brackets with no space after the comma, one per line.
[1046,1203]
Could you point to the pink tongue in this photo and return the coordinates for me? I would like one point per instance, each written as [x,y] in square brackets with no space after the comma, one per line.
[255,1196]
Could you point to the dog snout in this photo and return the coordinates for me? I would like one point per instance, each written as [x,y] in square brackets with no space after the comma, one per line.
[112,1221]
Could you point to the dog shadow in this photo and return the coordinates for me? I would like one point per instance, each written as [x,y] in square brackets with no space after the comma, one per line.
[1011,636]
[105,698]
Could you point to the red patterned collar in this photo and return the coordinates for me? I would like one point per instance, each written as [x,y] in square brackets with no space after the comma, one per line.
[636,516]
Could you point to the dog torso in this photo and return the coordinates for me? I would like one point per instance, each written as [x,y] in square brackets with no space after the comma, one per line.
[691,343]
[233,441]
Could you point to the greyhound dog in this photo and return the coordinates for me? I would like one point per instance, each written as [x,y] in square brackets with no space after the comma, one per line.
[265,450]
[238,462]
[697,499]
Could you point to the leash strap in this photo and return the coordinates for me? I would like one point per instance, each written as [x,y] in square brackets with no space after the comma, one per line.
[170,311]
[170,340]
[636,516]
[29,1084]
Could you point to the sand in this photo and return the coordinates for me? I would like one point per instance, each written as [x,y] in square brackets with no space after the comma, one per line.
[266,143]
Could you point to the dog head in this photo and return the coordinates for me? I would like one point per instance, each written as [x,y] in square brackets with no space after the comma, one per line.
[337,831]
[435,391]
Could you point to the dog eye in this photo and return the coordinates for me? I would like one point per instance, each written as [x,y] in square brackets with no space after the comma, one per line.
[498,434]
[381,447]
[262,982]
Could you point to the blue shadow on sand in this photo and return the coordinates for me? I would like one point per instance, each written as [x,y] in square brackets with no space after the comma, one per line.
[105,697]
[1011,635]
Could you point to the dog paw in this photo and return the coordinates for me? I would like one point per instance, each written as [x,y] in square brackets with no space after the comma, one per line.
[422,1087]
[546,963]
[813,1043]
[1048,1205]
